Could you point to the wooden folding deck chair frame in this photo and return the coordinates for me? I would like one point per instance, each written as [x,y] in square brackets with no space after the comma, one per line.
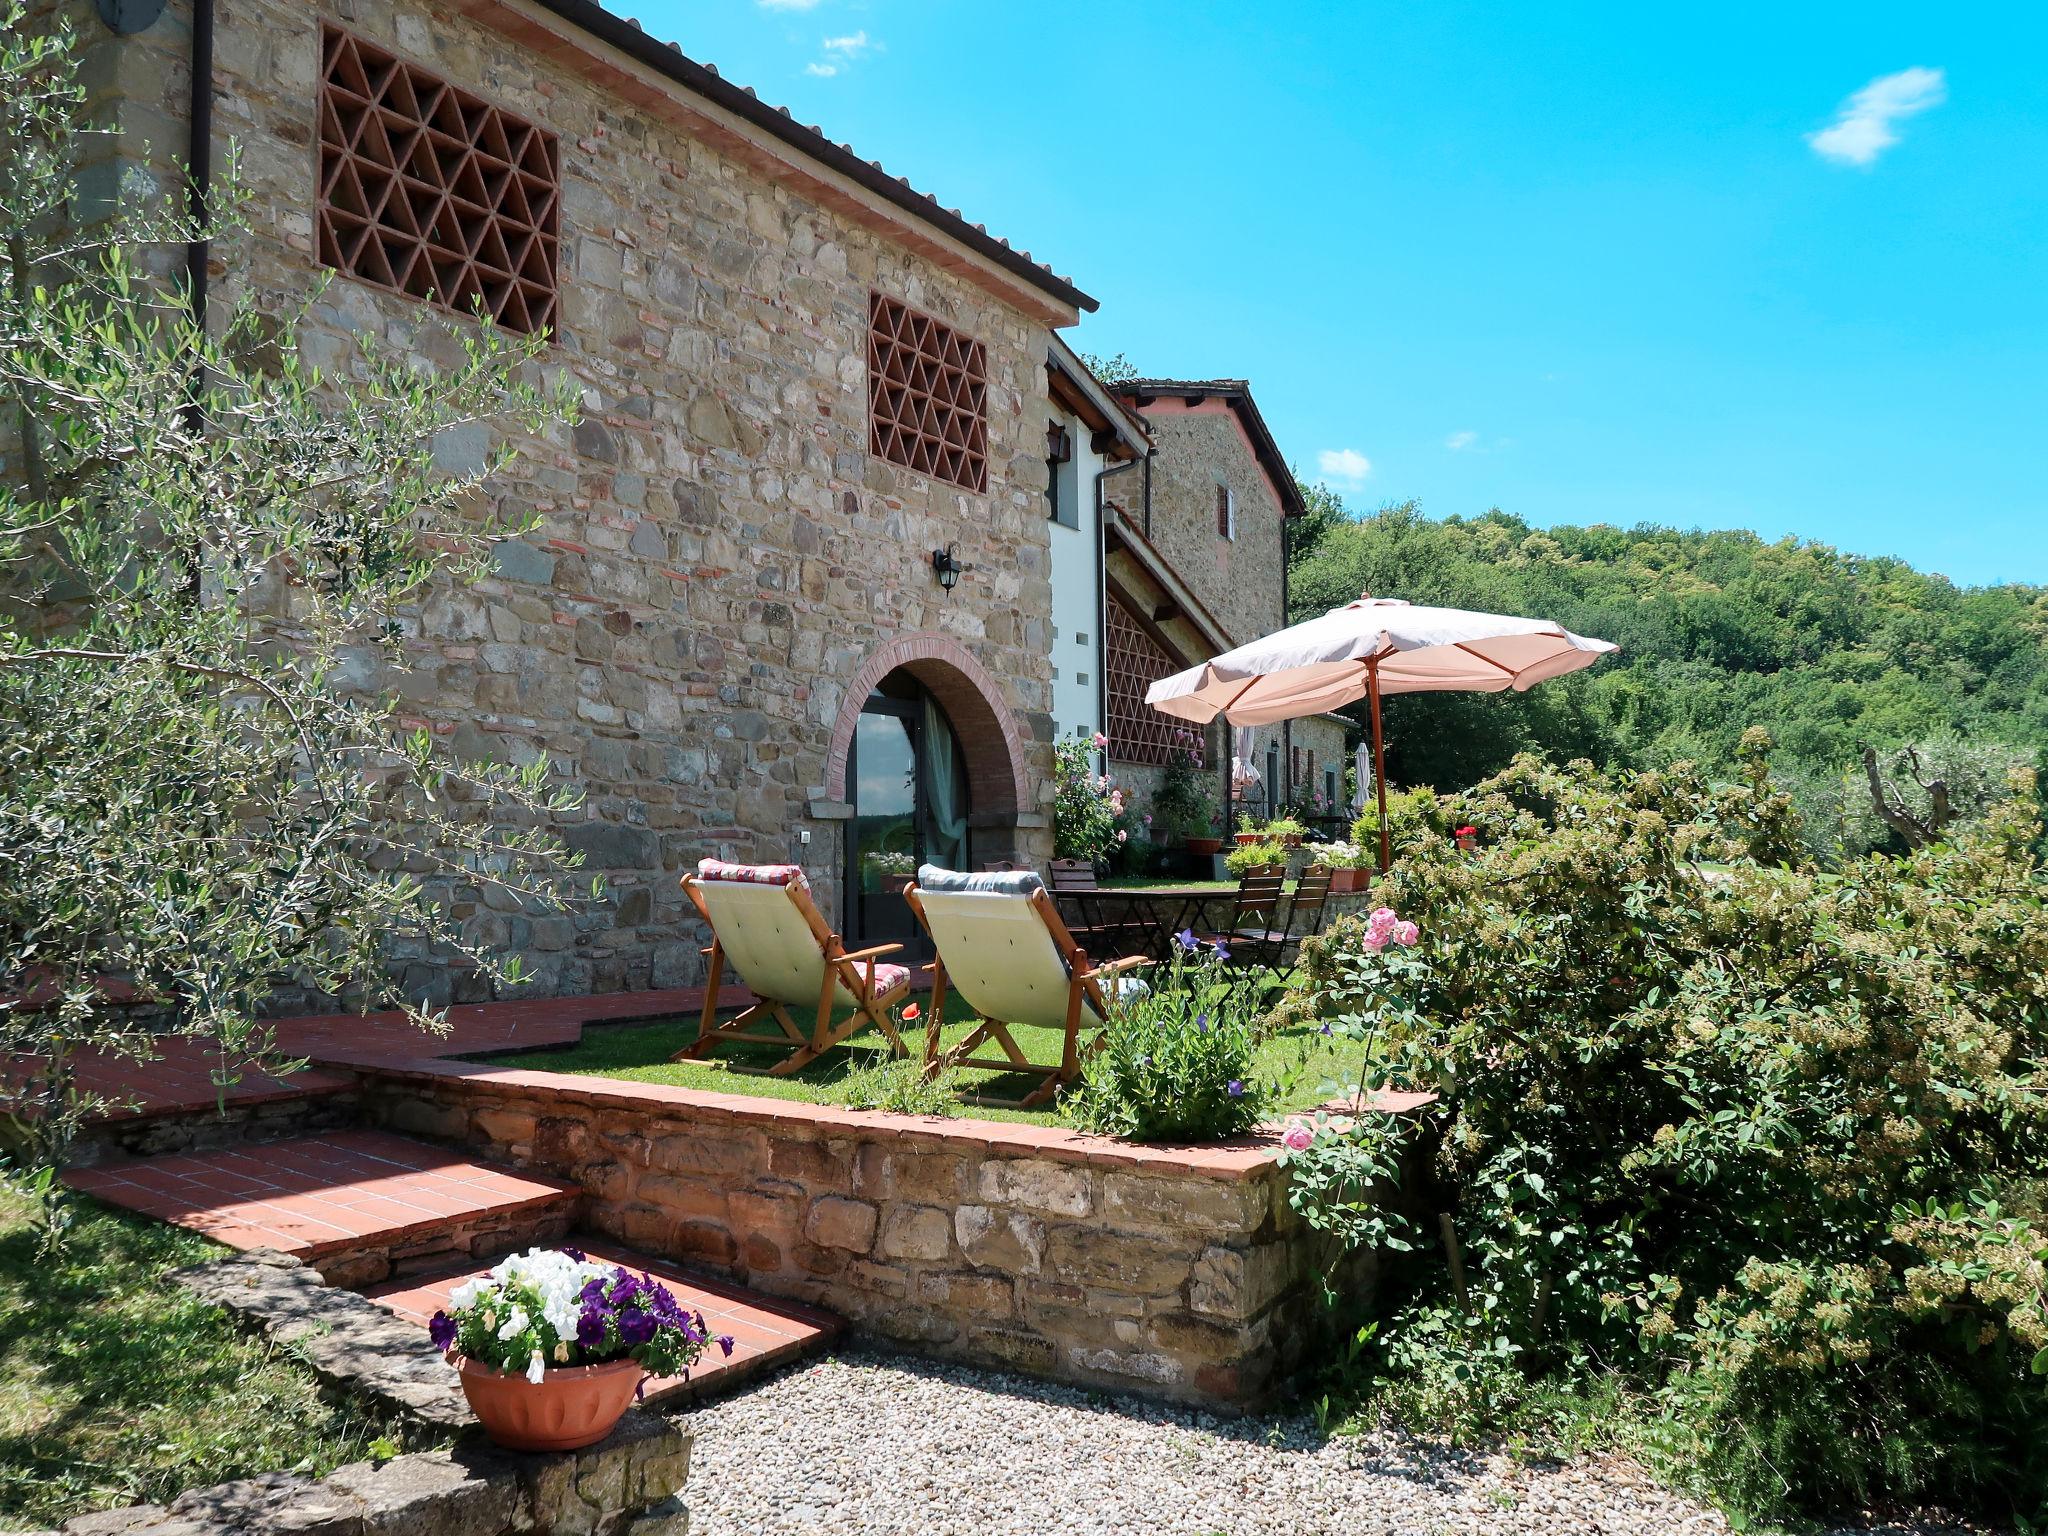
[1049,978]
[772,936]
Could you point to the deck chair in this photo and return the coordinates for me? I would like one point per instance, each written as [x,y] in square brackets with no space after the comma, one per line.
[765,926]
[1002,946]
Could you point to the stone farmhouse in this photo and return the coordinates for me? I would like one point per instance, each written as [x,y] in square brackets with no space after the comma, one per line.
[847,534]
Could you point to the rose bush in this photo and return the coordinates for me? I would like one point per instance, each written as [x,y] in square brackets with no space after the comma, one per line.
[1088,808]
[1764,1137]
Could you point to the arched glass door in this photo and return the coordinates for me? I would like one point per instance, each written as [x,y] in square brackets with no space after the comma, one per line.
[909,790]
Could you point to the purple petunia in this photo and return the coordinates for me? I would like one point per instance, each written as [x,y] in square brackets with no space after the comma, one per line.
[1234,1088]
[442,1330]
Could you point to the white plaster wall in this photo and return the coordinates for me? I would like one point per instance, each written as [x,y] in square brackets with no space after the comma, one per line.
[1076,651]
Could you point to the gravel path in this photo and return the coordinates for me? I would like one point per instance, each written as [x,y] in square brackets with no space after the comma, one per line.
[866,1445]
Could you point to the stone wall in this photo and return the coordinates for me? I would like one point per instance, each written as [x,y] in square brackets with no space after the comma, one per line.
[628,1484]
[1175,1272]
[1238,580]
[718,553]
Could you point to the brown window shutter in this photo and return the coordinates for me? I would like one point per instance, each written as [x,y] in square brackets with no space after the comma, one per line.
[1222,511]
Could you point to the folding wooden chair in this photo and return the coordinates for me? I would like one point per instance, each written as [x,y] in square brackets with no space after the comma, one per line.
[1002,946]
[1275,944]
[765,926]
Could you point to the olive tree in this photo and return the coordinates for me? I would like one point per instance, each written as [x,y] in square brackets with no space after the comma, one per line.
[199,538]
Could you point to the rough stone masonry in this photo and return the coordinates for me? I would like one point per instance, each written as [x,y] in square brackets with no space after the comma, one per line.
[718,552]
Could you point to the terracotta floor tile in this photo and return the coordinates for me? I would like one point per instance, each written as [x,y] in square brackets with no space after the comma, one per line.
[314,1193]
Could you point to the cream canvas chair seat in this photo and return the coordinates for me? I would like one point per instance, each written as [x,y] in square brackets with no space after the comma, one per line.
[1002,947]
[766,928]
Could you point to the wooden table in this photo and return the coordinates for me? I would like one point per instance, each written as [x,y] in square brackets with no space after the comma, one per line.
[1140,919]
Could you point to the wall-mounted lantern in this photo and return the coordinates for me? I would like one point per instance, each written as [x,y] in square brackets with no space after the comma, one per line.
[947,567]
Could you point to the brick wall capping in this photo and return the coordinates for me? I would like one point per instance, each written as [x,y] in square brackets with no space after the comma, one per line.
[1235,1160]
[972,699]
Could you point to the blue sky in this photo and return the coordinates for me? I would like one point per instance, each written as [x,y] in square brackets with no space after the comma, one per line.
[1781,267]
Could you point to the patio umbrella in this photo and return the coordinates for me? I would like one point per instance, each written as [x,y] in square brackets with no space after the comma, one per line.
[1367,649]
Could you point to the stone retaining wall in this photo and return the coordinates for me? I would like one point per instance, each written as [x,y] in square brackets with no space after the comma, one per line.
[1177,1272]
[629,1484]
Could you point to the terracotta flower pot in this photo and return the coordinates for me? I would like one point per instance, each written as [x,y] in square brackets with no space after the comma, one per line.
[1203,847]
[1349,880]
[1246,839]
[569,1407]
[1290,840]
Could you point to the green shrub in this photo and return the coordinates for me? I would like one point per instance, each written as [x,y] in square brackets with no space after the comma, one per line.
[1414,820]
[1246,857]
[1087,806]
[1765,1137]
[1175,1062]
[1184,805]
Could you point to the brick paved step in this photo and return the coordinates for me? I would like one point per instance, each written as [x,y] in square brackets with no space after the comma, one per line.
[357,1206]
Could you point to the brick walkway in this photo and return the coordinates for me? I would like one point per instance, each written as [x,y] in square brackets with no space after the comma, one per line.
[181,1079]
[317,1196]
[765,1333]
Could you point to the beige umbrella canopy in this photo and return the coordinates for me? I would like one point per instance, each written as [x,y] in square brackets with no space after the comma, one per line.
[1375,646]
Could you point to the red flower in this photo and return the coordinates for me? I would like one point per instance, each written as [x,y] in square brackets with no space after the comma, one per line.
[911,1014]
[1468,831]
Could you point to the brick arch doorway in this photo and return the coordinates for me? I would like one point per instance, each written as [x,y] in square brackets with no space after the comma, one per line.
[928,760]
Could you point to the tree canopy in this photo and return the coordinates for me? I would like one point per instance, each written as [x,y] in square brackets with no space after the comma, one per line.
[1830,652]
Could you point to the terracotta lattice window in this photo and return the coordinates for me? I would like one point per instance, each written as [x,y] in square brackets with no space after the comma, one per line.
[1138,733]
[927,395]
[434,192]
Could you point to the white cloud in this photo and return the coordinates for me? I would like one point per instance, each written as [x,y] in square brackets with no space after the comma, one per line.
[852,46]
[1346,467]
[1459,442]
[822,71]
[1863,128]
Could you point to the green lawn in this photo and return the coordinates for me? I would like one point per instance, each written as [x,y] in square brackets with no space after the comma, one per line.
[1152,882]
[1298,1064]
[116,1387]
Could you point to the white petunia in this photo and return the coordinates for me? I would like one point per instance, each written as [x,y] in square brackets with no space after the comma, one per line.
[514,1325]
[536,1368]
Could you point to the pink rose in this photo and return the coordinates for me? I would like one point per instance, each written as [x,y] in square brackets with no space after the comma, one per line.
[1299,1136]
[1101,741]
[1381,923]
[1375,940]
[1406,933]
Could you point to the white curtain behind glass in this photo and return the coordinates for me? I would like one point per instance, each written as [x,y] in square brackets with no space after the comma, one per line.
[948,816]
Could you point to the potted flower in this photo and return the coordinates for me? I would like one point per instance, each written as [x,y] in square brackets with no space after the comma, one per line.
[1286,831]
[1468,839]
[1350,865]
[552,1347]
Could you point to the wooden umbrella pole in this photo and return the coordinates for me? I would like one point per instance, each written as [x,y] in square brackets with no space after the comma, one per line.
[1379,762]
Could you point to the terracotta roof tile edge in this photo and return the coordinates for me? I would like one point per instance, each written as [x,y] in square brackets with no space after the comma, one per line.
[705,81]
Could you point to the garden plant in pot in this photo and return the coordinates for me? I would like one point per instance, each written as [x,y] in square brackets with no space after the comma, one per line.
[1183,803]
[552,1346]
